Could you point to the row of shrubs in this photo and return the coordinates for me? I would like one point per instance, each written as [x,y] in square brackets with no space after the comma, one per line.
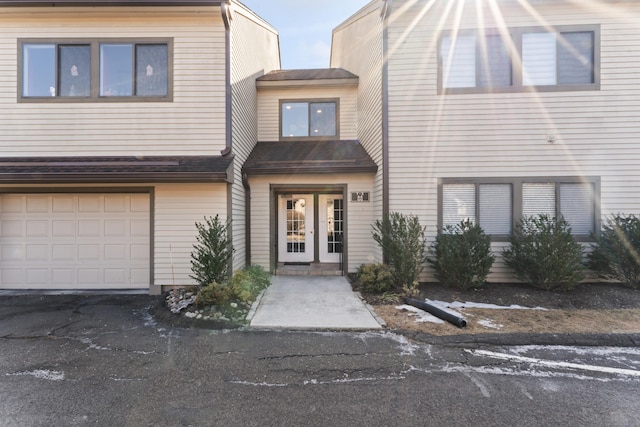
[542,253]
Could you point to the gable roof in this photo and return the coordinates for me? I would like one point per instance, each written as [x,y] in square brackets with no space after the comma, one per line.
[306,157]
[115,169]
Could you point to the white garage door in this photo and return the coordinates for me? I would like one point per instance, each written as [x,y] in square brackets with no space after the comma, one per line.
[74,241]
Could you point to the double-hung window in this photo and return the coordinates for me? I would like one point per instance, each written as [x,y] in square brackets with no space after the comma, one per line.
[95,70]
[309,119]
[520,59]
[498,204]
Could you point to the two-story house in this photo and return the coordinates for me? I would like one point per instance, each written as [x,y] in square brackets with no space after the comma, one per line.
[121,125]
[495,110]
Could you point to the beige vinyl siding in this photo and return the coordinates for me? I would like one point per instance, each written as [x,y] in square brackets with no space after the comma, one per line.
[269,108]
[254,52]
[357,47]
[360,215]
[505,135]
[177,208]
[192,124]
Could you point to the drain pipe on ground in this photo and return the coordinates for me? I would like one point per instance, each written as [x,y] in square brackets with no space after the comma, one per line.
[441,314]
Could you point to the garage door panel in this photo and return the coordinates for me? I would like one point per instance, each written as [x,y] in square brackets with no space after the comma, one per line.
[115,252]
[38,204]
[90,203]
[62,276]
[12,277]
[65,252]
[37,228]
[115,228]
[64,204]
[63,228]
[37,253]
[12,228]
[140,276]
[56,241]
[38,277]
[90,276]
[12,204]
[89,228]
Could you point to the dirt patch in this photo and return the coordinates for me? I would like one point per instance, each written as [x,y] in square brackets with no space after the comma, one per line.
[590,308]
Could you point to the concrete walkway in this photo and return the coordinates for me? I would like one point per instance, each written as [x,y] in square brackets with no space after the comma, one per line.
[312,302]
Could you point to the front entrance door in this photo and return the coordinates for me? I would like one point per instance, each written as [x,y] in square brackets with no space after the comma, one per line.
[295,228]
[331,222]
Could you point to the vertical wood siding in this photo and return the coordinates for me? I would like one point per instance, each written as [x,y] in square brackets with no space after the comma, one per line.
[357,47]
[193,124]
[269,108]
[505,135]
[254,52]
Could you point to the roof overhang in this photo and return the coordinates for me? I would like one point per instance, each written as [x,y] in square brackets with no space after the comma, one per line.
[156,169]
[308,157]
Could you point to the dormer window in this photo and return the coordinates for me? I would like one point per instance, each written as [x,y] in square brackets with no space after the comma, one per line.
[309,119]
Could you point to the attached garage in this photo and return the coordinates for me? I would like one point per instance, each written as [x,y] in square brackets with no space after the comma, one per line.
[75,241]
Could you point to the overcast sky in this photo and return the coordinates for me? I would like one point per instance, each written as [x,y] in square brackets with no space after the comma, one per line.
[305,27]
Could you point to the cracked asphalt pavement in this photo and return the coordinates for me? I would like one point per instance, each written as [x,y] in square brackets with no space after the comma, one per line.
[104,360]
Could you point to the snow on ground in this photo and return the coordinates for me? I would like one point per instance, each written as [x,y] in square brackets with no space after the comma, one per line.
[457,304]
[422,316]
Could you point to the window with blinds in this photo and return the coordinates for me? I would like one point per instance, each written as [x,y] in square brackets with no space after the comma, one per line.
[487,61]
[496,206]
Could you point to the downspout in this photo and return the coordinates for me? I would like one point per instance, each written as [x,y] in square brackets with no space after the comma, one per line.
[386,11]
[247,219]
[226,18]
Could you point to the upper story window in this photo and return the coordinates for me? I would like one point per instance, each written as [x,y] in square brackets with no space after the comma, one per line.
[497,204]
[95,70]
[523,59]
[309,119]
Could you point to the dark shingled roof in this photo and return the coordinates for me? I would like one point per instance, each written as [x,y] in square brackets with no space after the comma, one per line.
[114,169]
[311,74]
[296,157]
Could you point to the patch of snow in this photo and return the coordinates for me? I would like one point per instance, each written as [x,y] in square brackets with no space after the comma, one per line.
[599,351]
[43,374]
[489,324]
[262,384]
[556,364]
[443,305]
[421,315]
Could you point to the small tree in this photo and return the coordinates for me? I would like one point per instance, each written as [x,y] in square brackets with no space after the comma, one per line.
[616,254]
[402,239]
[212,253]
[544,254]
[462,256]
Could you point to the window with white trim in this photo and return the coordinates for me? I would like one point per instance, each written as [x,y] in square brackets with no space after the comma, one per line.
[498,204]
[94,70]
[566,59]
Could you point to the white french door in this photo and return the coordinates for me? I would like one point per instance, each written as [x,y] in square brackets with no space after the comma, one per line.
[295,228]
[331,222]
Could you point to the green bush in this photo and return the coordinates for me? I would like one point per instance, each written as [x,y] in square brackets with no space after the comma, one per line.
[462,256]
[616,253]
[213,294]
[402,239]
[544,254]
[244,287]
[211,258]
[247,284]
[375,278]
